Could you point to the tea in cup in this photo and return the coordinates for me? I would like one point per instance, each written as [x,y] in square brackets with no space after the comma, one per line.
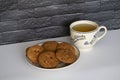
[85,33]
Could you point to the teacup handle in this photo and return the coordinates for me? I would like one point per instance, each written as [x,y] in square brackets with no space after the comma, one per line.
[99,35]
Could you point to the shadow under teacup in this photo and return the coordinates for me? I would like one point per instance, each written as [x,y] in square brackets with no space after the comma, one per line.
[85,33]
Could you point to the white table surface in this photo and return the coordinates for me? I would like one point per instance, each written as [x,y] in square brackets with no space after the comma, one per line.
[101,63]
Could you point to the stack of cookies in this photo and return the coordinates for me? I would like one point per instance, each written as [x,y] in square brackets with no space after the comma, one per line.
[51,54]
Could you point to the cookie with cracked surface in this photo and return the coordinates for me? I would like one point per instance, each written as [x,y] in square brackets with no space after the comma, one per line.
[66,46]
[50,45]
[48,59]
[66,56]
[33,52]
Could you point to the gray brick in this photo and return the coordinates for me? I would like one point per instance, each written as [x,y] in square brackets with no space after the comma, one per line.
[25,4]
[32,23]
[114,27]
[58,20]
[8,26]
[93,6]
[100,16]
[112,24]
[0,18]
[108,5]
[114,0]
[16,14]
[1,41]
[65,20]
[51,10]
[71,1]
[91,0]
[13,7]
[108,23]
[58,10]
[18,36]
[8,1]
[5,4]
[117,5]
[109,0]
[41,3]
[85,7]
[117,14]
[52,31]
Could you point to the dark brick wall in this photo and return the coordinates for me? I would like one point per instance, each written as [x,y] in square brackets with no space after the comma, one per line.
[26,20]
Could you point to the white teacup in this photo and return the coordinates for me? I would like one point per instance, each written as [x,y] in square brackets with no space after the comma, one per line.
[85,33]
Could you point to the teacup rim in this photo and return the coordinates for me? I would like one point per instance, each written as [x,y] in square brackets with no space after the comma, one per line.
[76,23]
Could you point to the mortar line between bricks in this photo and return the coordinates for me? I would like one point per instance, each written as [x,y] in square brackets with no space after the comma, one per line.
[16,31]
[19,30]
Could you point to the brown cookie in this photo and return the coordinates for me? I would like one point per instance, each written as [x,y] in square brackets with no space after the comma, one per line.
[66,56]
[65,45]
[50,45]
[48,59]
[33,52]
